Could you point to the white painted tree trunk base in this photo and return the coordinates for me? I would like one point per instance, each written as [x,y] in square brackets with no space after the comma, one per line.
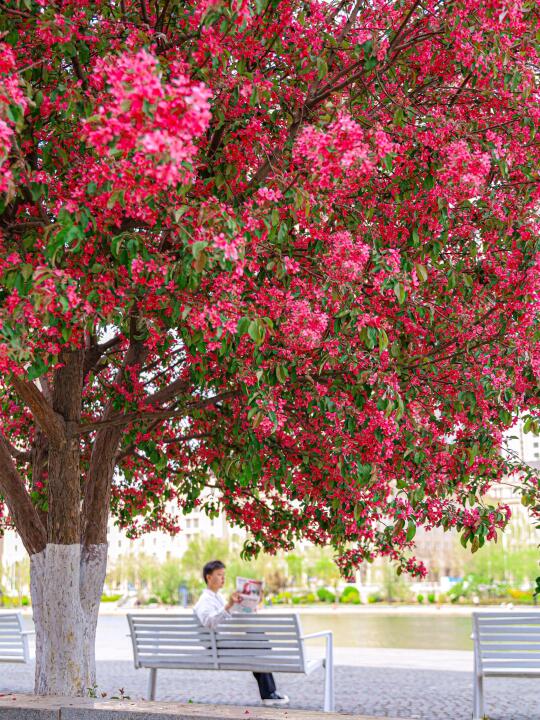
[66,582]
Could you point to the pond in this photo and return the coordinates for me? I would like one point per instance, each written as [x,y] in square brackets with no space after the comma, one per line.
[431,631]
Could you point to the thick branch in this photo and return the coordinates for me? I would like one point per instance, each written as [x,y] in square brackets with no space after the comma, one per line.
[64,486]
[97,491]
[48,420]
[22,511]
[40,464]
[23,455]
[168,393]
[94,354]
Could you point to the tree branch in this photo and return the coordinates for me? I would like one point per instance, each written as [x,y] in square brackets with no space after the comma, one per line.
[168,393]
[97,491]
[49,421]
[127,418]
[94,354]
[132,449]
[21,509]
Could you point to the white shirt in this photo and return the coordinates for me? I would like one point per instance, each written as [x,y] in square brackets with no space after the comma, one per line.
[210,609]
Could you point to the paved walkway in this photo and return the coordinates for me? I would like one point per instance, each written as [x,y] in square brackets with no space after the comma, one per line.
[384,684]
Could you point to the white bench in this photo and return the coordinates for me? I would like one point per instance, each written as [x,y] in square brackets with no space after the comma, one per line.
[13,639]
[505,644]
[266,642]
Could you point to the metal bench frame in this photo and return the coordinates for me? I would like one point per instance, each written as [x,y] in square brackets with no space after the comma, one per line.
[13,639]
[506,644]
[265,642]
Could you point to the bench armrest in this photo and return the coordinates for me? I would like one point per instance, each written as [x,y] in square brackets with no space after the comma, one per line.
[322,633]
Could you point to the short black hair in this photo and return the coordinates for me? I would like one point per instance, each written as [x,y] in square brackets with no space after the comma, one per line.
[209,568]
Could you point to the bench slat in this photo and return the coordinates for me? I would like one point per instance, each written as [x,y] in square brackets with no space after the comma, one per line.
[511,647]
[13,644]
[241,652]
[185,627]
[513,672]
[249,643]
[173,643]
[178,664]
[502,634]
[511,657]
[264,666]
[509,622]
[196,659]
[253,620]
[202,636]
[505,663]
[270,630]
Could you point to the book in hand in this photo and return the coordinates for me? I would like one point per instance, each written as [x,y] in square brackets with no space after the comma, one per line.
[250,594]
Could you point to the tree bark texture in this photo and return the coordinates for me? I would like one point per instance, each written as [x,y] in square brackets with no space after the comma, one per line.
[66,587]
[67,537]
[64,524]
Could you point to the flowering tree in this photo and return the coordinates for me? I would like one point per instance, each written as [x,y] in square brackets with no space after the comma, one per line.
[274,257]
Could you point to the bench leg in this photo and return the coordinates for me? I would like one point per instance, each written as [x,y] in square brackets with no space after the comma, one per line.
[478,697]
[152,684]
[329,703]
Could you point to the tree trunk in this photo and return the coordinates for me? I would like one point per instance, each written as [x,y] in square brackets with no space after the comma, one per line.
[66,587]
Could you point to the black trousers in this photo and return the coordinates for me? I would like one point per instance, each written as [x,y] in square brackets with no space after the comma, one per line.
[266,684]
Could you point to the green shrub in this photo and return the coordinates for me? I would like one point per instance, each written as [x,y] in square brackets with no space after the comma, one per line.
[152,600]
[326,596]
[420,598]
[110,598]
[15,602]
[521,596]
[350,596]
[431,598]
[374,598]
[282,598]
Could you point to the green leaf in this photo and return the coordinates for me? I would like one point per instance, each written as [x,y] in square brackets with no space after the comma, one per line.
[421,272]
[243,325]
[411,530]
[256,331]
[399,291]
[15,114]
[387,162]
[399,117]
[37,369]
[383,340]
[198,247]
[322,68]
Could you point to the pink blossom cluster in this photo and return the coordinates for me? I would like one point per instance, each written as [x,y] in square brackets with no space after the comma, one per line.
[147,124]
[347,257]
[465,168]
[304,326]
[11,94]
[340,149]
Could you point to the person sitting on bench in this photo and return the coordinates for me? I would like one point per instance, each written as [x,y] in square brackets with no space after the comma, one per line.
[211,610]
